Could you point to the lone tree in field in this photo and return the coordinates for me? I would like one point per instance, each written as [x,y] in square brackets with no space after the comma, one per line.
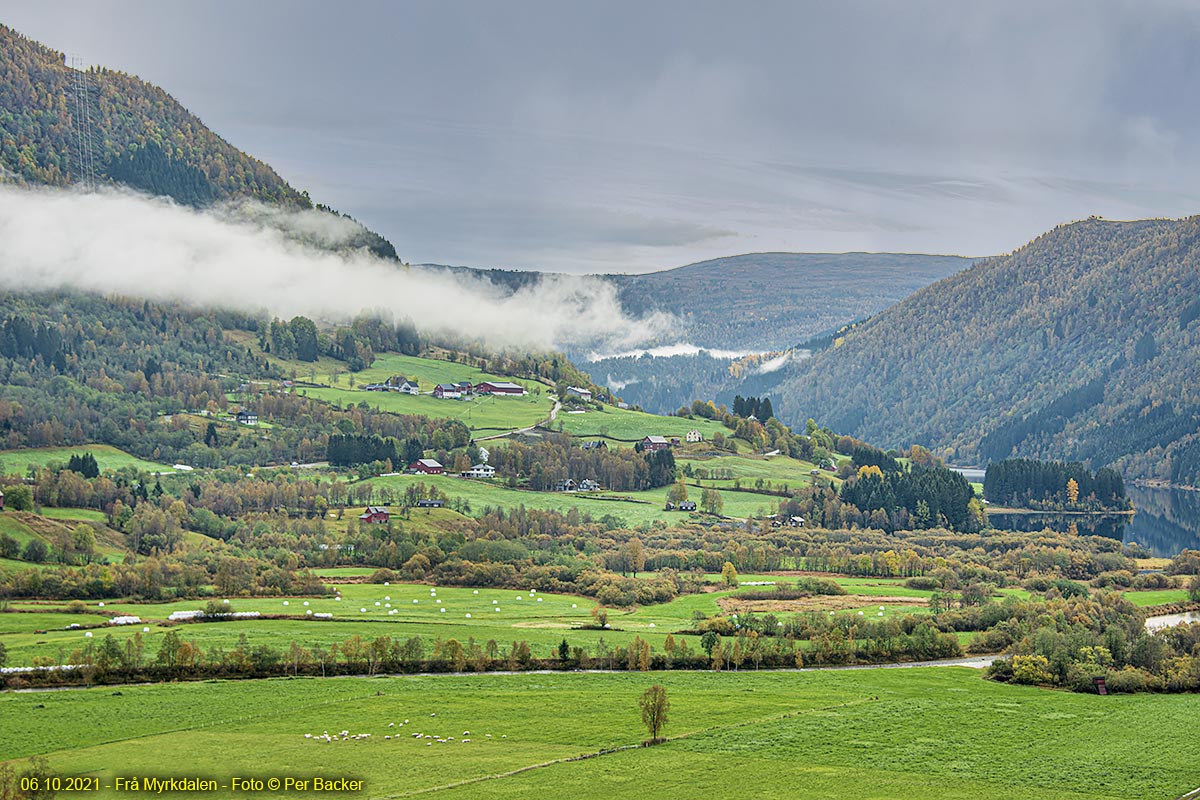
[655,706]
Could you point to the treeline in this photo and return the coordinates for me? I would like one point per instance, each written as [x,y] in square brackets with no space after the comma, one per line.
[1054,485]
[160,579]
[757,407]
[356,345]
[915,498]
[349,450]
[544,463]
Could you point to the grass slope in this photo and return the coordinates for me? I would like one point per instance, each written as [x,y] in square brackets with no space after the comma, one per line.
[929,733]
[626,426]
[483,414]
[16,462]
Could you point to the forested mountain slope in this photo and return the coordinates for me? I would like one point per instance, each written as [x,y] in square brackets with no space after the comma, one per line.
[140,137]
[1085,344]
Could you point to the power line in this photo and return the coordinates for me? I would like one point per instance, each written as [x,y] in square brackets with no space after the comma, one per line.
[84,152]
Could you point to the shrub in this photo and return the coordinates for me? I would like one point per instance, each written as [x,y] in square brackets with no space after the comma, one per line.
[1108,579]
[1031,670]
[923,582]
[384,576]
[1128,681]
[1152,580]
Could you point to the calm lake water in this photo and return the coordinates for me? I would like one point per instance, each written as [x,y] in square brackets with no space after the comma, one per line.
[1167,521]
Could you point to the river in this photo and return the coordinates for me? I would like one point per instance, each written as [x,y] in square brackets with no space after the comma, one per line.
[1164,621]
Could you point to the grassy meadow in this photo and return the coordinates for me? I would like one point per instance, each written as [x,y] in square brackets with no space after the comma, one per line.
[625,427]
[484,414]
[487,414]
[925,733]
[634,508]
[17,462]
[504,615]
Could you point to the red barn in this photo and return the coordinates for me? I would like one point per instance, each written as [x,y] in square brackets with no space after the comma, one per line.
[652,443]
[426,466]
[499,387]
[377,514]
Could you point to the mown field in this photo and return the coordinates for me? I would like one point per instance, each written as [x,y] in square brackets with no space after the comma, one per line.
[487,415]
[504,615]
[16,462]
[481,494]
[625,427]
[924,733]
[634,508]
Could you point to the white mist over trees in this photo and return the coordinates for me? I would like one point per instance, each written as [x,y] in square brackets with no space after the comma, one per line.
[235,257]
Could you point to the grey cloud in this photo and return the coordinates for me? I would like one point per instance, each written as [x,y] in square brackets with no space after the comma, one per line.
[629,136]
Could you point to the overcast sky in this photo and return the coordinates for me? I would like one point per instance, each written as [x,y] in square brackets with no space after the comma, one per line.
[632,136]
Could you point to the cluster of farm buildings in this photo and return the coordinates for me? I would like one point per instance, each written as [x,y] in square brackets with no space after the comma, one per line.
[450,391]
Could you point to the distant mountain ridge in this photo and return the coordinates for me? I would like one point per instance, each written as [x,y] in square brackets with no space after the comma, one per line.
[762,301]
[1084,344]
[141,137]
[771,301]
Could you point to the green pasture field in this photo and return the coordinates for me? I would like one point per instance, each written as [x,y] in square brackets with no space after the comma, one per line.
[76,514]
[629,426]
[1156,597]
[748,468]
[646,506]
[487,414]
[736,503]
[495,614]
[16,462]
[16,529]
[345,572]
[14,564]
[931,733]
[633,507]
[481,493]
[428,372]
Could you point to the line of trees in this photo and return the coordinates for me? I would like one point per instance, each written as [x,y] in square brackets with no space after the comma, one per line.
[351,450]
[919,497]
[1054,485]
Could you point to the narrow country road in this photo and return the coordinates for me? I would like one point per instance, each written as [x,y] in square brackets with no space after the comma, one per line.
[553,415]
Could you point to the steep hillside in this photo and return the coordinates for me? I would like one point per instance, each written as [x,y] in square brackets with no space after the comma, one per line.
[140,137]
[1081,345]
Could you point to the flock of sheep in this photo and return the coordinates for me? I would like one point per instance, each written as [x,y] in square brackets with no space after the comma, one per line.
[427,738]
